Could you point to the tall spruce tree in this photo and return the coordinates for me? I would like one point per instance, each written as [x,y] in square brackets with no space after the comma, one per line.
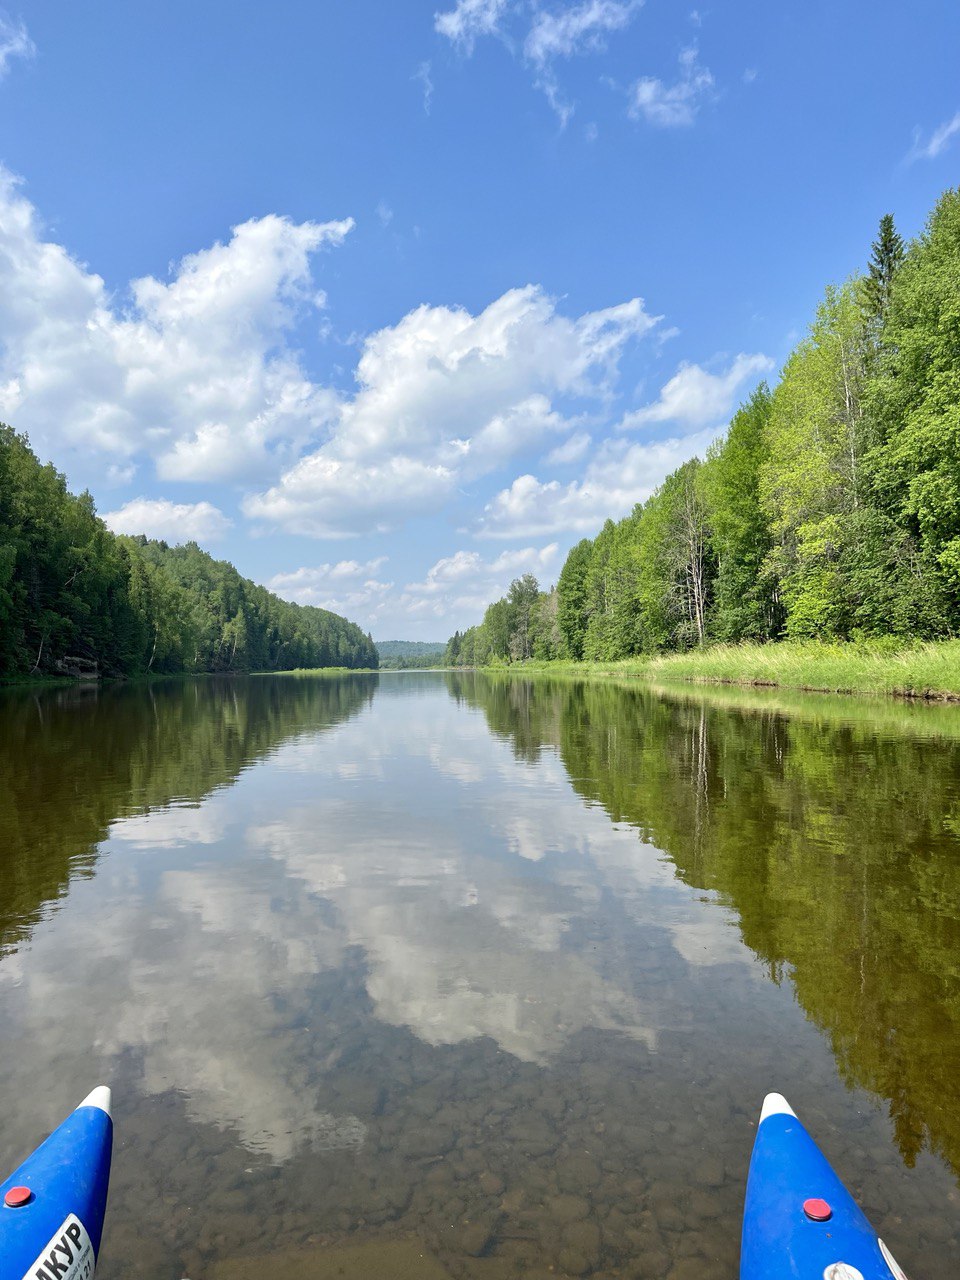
[888,253]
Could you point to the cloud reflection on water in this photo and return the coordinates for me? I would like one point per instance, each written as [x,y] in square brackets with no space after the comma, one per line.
[474,886]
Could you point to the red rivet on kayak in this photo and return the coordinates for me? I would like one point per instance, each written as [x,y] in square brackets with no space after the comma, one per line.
[17,1197]
[817,1210]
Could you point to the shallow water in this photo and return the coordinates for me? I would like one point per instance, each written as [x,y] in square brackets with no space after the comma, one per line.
[427,975]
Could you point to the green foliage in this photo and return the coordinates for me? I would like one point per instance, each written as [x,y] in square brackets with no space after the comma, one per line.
[676,562]
[810,481]
[746,603]
[572,597]
[405,655]
[915,403]
[887,256]
[524,624]
[611,585]
[77,600]
[830,510]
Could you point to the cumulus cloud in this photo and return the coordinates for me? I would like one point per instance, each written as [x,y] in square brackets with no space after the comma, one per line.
[120,473]
[195,371]
[695,397]
[172,521]
[346,586]
[465,582]
[14,43]
[619,475]
[454,588]
[572,450]
[446,396]
[469,20]
[675,105]
[938,142]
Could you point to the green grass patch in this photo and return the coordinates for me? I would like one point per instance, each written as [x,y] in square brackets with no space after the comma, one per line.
[930,670]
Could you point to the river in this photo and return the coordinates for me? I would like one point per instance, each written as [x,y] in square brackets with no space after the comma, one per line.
[453,975]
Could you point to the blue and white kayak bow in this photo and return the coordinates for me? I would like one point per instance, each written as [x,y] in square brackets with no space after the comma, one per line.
[799,1221]
[52,1207]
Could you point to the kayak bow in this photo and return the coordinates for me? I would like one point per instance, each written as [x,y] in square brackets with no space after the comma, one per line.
[799,1221]
[51,1208]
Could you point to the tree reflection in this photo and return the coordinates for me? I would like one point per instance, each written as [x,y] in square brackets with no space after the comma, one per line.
[74,760]
[830,826]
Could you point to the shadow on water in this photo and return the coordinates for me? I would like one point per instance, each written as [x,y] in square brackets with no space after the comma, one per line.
[831,826]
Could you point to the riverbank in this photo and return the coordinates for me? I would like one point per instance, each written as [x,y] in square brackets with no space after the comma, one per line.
[930,671]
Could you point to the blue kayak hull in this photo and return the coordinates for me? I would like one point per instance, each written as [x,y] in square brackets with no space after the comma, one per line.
[52,1207]
[799,1221]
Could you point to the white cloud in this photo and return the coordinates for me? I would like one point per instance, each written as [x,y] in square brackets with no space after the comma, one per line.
[470,19]
[464,583]
[446,396]
[566,32]
[620,475]
[384,213]
[14,43]
[425,79]
[315,575]
[695,397]
[675,105]
[325,496]
[195,370]
[353,569]
[572,450]
[348,584]
[937,143]
[553,34]
[120,474]
[172,521]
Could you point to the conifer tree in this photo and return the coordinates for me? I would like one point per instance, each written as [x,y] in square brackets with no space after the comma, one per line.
[888,253]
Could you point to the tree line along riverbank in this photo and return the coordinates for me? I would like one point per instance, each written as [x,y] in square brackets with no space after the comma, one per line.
[829,511]
[77,600]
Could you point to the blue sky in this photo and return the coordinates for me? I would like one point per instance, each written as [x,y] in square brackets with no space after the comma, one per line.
[389,301]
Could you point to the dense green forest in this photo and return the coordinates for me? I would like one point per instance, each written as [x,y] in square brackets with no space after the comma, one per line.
[830,508]
[77,599]
[407,655]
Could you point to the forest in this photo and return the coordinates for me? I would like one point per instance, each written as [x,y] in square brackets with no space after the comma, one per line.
[78,600]
[829,509]
[410,655]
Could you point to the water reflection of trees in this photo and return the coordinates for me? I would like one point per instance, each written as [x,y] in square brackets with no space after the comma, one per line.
[832,829]
[74,760]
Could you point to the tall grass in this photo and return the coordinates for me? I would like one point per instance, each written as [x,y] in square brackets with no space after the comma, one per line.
[930,670]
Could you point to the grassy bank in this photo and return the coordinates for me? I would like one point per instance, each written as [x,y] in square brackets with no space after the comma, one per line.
[916,671]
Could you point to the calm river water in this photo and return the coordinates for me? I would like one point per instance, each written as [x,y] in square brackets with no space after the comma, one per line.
[446,975]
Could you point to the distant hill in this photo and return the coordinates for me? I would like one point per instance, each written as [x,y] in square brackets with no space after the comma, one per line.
[404,654]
